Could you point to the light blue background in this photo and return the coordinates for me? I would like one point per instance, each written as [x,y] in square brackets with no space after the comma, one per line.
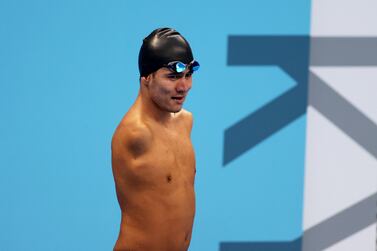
[68,73]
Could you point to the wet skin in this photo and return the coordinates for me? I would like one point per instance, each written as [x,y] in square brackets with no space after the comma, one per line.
[154,167]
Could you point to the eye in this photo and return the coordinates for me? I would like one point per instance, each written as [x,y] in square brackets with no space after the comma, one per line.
[174,76]
[188,74]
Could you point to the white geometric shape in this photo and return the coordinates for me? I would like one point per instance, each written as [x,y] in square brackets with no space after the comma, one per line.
[344,18]
[357,84]
[339,173]
[365,237]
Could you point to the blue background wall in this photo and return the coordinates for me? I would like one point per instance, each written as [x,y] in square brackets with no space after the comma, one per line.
[68,73]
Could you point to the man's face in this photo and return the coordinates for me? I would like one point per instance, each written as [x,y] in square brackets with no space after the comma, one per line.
[168,89]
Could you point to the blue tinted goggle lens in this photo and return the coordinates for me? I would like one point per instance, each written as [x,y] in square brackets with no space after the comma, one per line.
[179,67]
[195,66]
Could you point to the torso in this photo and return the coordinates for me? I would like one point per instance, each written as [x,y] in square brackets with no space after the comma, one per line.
[156,188]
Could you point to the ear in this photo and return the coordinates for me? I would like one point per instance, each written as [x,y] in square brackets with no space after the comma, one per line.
[145,80]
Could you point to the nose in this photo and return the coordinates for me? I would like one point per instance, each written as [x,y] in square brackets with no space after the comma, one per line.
[183,85]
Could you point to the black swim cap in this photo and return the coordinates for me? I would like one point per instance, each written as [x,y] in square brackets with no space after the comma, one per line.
[161,47]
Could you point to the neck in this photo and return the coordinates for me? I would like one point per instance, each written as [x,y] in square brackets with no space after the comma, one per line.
[150,110]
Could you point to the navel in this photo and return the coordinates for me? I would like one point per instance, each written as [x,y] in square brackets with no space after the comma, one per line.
[169,178]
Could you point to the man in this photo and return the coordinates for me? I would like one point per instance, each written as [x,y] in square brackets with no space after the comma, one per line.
[152,156]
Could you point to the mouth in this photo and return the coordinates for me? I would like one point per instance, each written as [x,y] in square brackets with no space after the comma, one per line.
[179,99]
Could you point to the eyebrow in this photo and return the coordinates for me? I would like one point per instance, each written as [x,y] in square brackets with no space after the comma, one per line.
[171,74]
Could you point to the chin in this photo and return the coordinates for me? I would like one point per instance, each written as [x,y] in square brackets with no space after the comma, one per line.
[177,110]
[172,109]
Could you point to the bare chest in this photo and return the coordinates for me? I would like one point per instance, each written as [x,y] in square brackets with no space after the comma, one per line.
[170,161]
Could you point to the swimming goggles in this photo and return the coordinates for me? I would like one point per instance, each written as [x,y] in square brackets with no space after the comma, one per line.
[178,66]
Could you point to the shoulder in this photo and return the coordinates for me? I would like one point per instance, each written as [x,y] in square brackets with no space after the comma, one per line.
[187,118]
[132,136]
